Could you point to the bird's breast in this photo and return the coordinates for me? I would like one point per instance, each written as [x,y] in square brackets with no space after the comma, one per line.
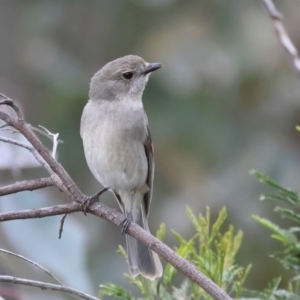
[114,149]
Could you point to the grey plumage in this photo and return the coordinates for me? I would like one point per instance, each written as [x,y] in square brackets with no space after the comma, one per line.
[118,147]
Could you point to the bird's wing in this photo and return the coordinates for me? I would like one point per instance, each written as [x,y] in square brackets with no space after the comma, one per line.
[150,159]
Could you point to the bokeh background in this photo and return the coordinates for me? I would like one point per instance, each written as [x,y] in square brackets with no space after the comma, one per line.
[226,101]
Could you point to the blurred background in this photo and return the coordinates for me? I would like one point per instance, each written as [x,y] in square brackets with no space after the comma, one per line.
[226,102]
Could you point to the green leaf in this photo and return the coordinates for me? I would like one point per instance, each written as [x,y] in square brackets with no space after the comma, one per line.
[282,235]
[218,223]
[270,293]
[182,293]
[137,281]
[215,257]
[288,213]
[184,249]
[285,194]
[161,232]
[273,286]
[239,282]
[193,219]
[122,251]
[118,292]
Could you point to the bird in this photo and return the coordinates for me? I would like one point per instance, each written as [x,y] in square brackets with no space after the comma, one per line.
[119,152]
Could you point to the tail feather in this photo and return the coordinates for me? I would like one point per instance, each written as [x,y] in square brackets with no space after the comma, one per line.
[131,245]
[141,259]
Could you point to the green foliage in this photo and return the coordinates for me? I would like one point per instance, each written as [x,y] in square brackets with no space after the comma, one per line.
[289,256]
[272,292]
[214,252]
[211,251]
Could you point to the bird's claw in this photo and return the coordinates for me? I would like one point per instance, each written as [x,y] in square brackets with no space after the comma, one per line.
[126,222]
[88,201]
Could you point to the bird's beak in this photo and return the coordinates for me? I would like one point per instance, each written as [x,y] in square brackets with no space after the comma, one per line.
[152,67]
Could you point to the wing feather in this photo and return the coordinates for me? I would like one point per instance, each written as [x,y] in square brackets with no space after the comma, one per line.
[150,159]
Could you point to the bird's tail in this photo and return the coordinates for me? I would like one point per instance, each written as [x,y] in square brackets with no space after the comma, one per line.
[141,259]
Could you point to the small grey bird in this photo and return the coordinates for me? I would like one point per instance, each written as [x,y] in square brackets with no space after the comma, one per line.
[118,148]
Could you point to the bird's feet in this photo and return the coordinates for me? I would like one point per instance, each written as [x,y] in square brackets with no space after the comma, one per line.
[126,222]
[91,200]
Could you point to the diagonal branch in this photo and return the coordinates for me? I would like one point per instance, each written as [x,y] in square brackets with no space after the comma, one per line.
[15,142]
[283,36]
[102,211]
[47,286]
[28,185]
[99,210]
[72,190]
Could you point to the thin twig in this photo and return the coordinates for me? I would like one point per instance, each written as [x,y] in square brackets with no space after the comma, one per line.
[282,34]
[4,125]
[36,129]
[33,263]
[10,130]
[15,142]
[28,147]
[28,185]
[61,227]
[54,138]
[47,286]
[71,188]
[38,157]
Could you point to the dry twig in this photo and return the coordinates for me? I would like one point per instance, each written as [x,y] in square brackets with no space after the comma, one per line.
[28,185]
[47,286]
[61,227]
[54,138]
[33,263]
[42,132]
[283,36]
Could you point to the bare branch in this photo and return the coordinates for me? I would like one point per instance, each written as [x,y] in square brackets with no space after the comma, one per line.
[71,188]
[101,211]
[30,148]
[181,264]
[4,125]
[12,131]
[38,157]
[40,212]
[15,142]
[134,230]
[28,185]
[47,286]
[54,138]
[61,227]
[33,263]
[284,38]
[36,129]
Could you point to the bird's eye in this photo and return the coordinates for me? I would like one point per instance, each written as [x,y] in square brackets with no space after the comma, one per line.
[128,75]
